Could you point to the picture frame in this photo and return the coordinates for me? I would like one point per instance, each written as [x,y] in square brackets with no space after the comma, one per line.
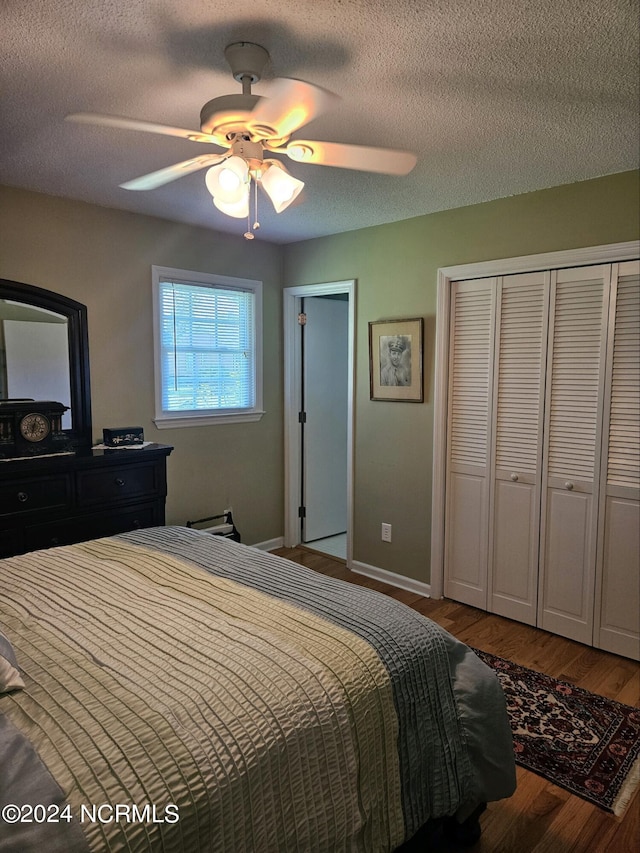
[395,360]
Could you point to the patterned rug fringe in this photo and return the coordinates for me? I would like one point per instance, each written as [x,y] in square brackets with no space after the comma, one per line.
[628,790]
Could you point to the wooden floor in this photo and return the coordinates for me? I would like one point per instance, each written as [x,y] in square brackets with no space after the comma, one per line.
[540,816]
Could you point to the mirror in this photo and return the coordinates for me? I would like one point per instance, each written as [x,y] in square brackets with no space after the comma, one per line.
[44,352]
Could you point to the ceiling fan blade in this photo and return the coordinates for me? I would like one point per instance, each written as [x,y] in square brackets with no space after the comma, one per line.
[172,173]
[289,104]
[145,126]
[388,161]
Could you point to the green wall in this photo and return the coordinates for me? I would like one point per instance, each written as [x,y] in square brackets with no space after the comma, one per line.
[103,258]
[396,267]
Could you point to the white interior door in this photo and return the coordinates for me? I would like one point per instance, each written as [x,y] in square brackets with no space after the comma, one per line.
[469,442]
[521,337]
[617,627]
[573,431]
[619,569]
[325,431]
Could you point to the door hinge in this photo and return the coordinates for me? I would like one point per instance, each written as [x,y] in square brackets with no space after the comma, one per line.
[302,319]
[302,512]
[302,417]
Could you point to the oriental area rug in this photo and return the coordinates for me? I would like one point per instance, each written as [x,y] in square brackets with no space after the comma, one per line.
[584,743]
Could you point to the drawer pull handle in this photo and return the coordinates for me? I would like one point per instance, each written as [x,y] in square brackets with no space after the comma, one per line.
[23,497]
[568,485]
[120,482]
[514,477]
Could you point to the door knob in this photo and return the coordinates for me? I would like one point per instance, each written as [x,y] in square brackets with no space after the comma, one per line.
[514,477]
[568,485]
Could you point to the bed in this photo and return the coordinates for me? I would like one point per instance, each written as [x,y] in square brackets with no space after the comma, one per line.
[184,692]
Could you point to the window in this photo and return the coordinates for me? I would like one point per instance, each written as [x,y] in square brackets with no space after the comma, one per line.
[208,348]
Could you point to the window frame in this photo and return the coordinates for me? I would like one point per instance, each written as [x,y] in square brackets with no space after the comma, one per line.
[205,417]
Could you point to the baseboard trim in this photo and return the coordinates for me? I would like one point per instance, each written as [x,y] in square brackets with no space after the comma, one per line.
[392,578]
[270,544]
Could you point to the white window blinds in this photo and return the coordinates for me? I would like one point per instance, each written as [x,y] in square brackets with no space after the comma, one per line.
[208,341]
[207,347]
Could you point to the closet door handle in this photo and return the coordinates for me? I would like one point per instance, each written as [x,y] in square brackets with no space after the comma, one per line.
[23,497]
[120,482]
[568,485]
[514,477]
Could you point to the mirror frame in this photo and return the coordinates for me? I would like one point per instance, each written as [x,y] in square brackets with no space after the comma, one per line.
[77,330]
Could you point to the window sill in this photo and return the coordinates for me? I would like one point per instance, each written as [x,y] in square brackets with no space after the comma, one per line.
[207,420]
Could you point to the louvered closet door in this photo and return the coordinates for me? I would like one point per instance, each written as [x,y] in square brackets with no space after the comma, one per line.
[573,432]
[618,571]
[468,445]
[518,415]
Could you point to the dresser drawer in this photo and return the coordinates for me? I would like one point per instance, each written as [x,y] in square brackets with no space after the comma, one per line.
[66,498]
[70,530]
[34,494]
[11,542]
[117,483]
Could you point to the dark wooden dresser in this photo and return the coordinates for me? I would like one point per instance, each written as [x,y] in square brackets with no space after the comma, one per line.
[67,498]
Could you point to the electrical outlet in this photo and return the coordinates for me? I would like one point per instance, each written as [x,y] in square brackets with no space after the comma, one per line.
[386,532]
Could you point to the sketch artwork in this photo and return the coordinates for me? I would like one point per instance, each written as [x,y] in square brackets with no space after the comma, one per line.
[395,360]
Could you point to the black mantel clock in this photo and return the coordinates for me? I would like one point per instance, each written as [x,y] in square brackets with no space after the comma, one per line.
[31,427]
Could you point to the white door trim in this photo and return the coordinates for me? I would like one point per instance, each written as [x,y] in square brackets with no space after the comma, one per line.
[292,402]
[527,263]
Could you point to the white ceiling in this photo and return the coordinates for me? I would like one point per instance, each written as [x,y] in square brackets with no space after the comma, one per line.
[496,97]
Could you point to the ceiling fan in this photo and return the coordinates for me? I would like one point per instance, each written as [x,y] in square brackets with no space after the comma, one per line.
[245,127]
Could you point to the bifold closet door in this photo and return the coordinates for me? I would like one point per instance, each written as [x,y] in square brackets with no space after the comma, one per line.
[496,397]
[617,609]
[518,417]
[468,441]
[578,319]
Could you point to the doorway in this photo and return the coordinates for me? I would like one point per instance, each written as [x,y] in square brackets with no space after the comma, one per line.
[319,383]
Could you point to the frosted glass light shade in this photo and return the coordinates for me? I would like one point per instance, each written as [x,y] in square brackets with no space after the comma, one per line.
[281,187]
[227,182]
[238,209]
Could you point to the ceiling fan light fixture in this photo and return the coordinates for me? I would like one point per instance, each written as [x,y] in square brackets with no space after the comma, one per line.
[227,182]
[237,209]
[281,187]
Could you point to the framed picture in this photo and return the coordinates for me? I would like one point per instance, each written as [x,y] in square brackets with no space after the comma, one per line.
[395,360]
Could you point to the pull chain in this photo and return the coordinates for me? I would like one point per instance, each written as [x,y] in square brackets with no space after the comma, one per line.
[256,224]
[248,234]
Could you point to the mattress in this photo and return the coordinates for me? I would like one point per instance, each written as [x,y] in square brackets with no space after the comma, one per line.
[184,692]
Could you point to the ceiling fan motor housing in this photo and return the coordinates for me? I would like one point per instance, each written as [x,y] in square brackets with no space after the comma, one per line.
[246,60]
[231,114]
[227,114]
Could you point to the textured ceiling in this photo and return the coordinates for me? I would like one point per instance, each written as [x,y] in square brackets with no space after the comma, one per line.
[496,97]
